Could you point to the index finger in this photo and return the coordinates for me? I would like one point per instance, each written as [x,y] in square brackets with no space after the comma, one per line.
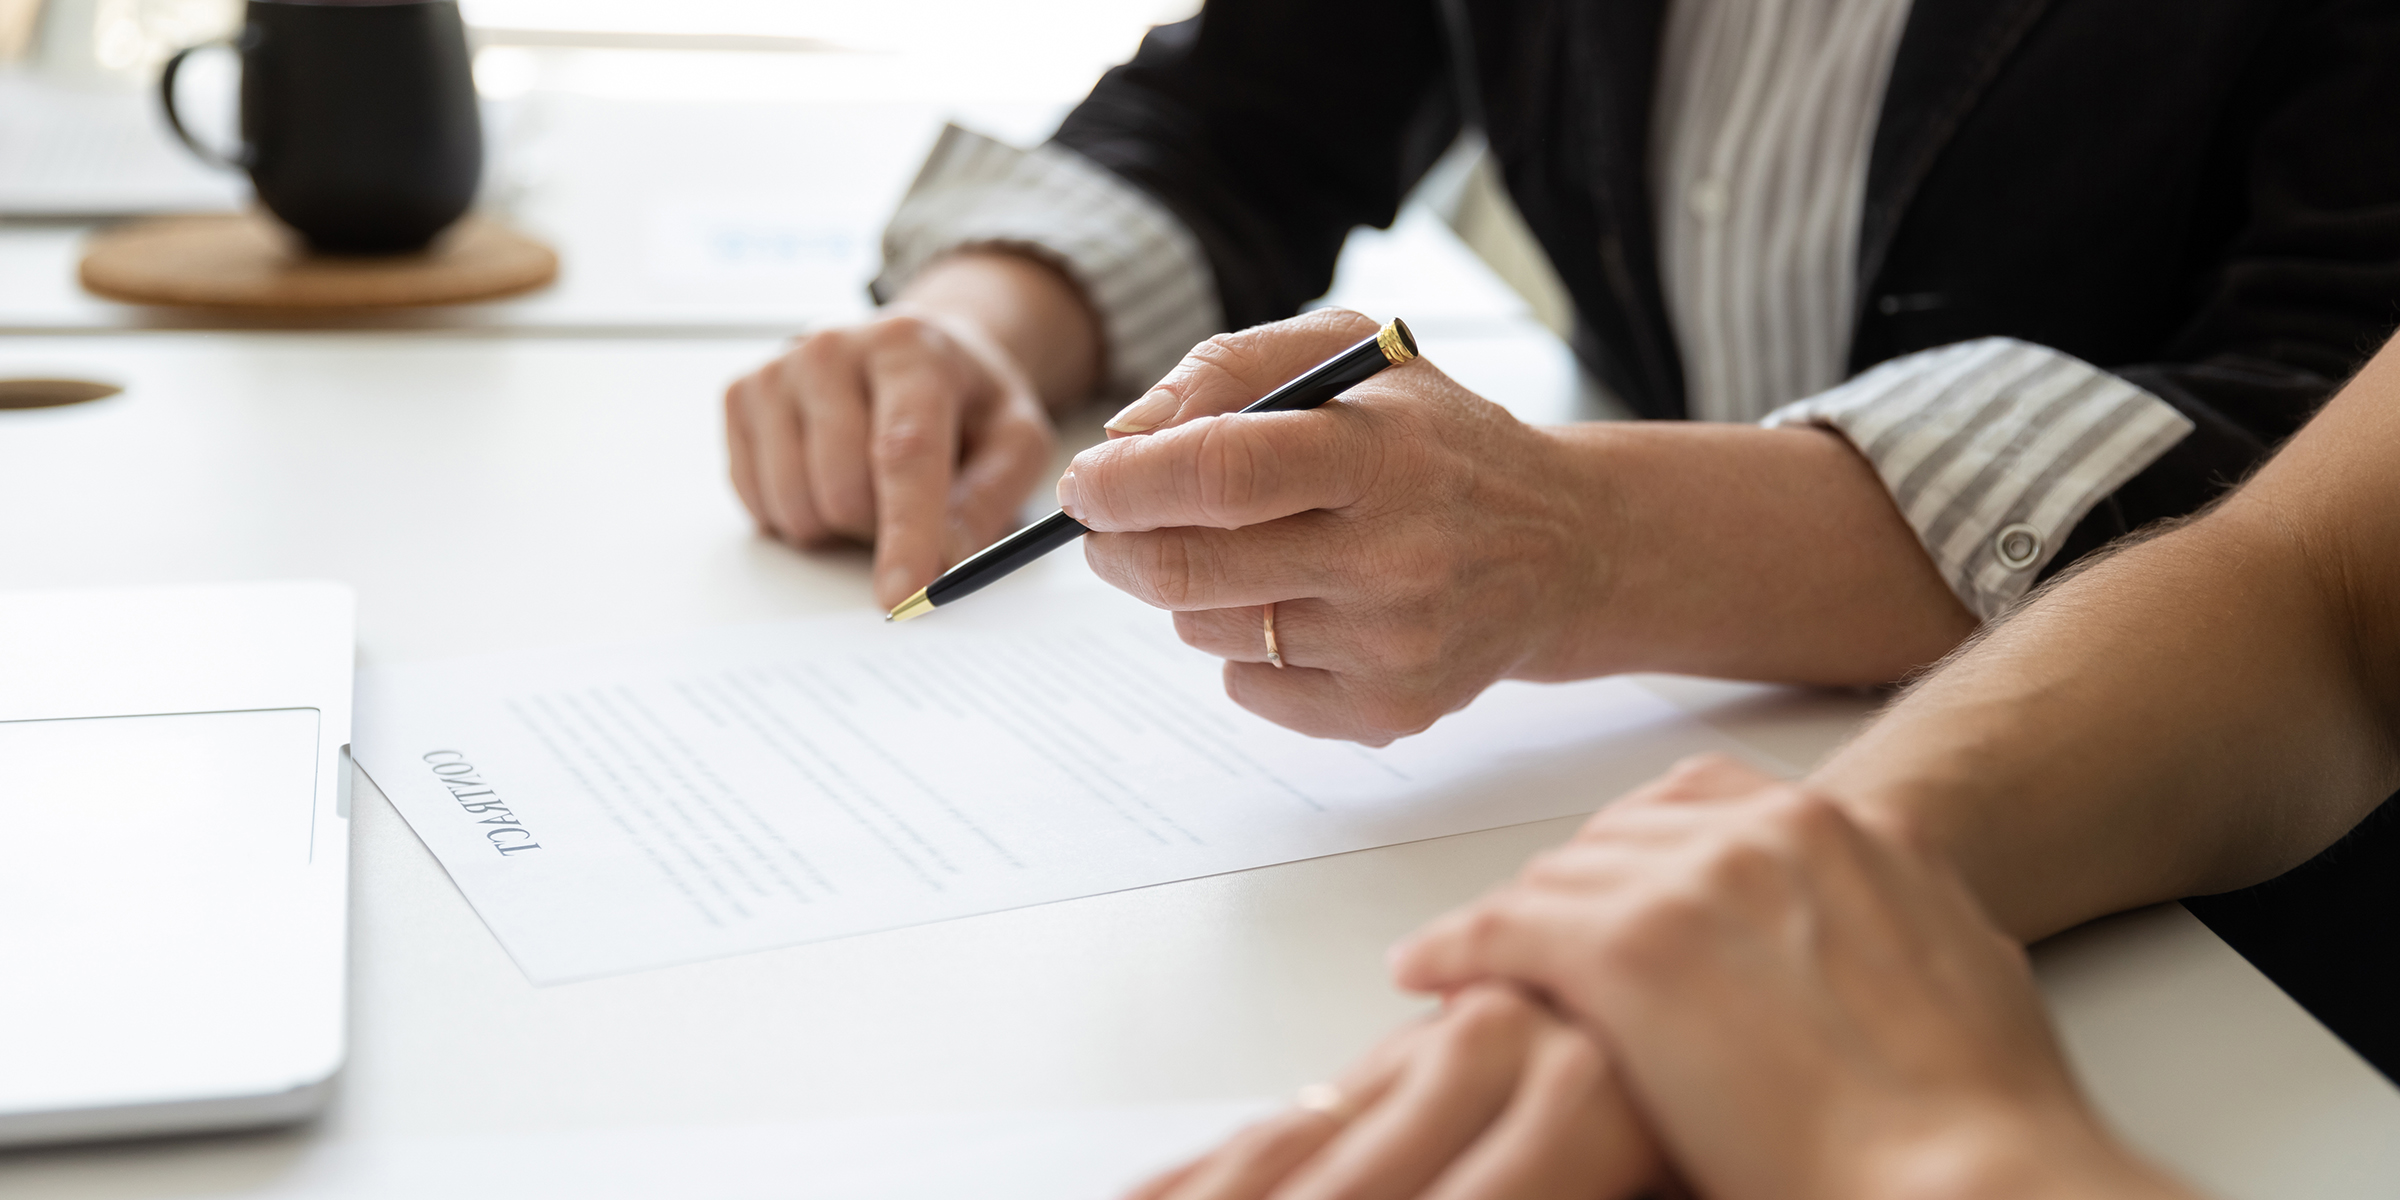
[1258,1159]
[1570,1130]
[1225,472]
[912,456]
[1447,1098]
[1517,933]
[1229,371]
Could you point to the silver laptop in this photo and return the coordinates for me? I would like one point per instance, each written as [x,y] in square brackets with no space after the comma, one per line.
[174,857]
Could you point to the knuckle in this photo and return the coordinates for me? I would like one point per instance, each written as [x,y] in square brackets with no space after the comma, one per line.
[1193,629]
[1809,818]
[1378,714]
[1224,472]
[819,351]
[897,332]
[1266,1140]
[1651,932]
[1482,1013]
[1029,435]
[1484,927]
[791,479]
[1578,1060]
[1229,353]
[1238,358]
[903,441]
[850,510]
[1415,650]
[1167,569]
[1398,714]
[789,511]
[1689,775]
[1104,488]
[1346,320]
[1151,567]
[1552,867]
[1736,864]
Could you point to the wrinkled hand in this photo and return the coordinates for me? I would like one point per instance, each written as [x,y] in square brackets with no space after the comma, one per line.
[1495,1099]
[1803,1007]
[1417,541]
[913,431]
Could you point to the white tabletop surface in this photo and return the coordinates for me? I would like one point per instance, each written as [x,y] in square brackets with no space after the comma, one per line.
[485,494]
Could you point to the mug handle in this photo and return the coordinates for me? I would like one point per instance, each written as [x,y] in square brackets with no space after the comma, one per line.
[238,160]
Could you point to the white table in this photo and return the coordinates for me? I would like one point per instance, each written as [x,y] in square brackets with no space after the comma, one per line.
[484,494]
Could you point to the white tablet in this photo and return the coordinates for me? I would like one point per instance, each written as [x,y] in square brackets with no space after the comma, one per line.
[174,857]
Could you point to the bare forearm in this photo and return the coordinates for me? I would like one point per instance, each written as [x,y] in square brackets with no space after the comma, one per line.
[1030,308]
[1749,553]
[2162,726]
[2200,712]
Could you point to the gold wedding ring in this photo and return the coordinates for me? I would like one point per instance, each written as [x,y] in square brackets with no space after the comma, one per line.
[1323,1099]
[1274,652]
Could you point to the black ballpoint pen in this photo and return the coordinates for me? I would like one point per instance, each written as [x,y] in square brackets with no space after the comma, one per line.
[1389,347]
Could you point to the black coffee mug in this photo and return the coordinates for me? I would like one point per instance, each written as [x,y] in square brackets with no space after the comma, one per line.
[359,125]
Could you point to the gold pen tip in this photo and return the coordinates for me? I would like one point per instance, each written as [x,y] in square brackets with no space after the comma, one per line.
[1399,346]
[914,606]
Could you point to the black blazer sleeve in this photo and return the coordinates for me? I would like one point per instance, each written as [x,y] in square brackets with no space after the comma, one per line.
[2307,284]
[1272,128]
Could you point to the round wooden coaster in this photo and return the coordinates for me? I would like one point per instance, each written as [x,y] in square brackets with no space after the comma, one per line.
[250,261]
[52,393]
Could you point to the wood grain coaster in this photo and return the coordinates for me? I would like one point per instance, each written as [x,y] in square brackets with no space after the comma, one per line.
[250,261]
[52,393]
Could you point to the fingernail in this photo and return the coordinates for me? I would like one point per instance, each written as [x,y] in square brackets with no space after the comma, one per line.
[1066,493]
[1143,415]
[893,581]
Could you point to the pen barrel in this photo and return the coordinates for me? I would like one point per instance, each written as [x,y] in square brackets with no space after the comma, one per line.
[1390,347]
[1004,556]
[1326,380]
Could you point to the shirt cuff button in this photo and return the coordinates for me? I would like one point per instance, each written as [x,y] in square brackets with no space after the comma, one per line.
[2018,546]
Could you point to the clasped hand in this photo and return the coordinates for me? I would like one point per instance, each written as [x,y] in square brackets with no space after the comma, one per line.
[1418,542]
[1723,982]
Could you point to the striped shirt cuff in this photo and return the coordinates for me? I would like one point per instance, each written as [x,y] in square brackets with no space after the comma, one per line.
[1142,270]
[1994,449]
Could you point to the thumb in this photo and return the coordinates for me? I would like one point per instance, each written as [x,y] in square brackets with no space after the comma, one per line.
[1229,371]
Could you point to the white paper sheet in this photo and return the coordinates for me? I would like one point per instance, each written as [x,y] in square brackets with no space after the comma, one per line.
[617,809]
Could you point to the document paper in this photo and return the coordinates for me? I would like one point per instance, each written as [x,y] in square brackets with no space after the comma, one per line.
[613,810]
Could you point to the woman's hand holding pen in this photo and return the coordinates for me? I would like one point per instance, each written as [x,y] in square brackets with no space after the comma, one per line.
[922,429]
[1417,541]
